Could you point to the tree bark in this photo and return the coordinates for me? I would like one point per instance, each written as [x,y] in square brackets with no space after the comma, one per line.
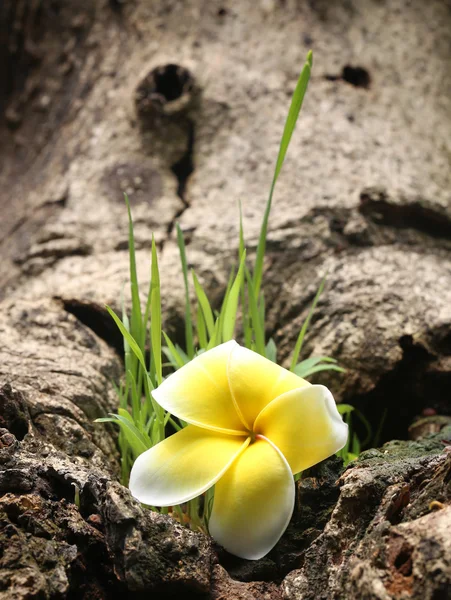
[181,106]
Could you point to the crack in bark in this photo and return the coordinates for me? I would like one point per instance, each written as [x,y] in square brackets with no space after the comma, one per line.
[376,205]
[97,319]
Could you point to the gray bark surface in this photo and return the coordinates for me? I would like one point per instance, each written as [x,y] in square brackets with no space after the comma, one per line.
[364,196]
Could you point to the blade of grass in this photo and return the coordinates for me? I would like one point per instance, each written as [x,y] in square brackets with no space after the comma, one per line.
[271,350]
[312,361]
[293,113]
[355,446]
[134,437]
[216,337]
[317,369]
[130,339]
[136,317]
[205,305]
[300,340]
[258,332]
[247,333]
[366,424]
[201,329]
[225,300]
[155,315]
[228,326]
[136,407]
[377,435]
[173,355]
[188,321]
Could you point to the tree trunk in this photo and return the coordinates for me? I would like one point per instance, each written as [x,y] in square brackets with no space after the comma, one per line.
[181,105]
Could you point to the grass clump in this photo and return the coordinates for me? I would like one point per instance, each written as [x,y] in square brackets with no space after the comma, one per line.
[148,349]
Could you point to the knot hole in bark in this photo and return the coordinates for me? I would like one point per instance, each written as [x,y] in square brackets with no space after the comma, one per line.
[166,89]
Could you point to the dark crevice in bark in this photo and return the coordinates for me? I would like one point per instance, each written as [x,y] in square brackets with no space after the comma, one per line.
[402,394]
[183,169]
[356,76]
[414,215]
[14,414]
[98,320]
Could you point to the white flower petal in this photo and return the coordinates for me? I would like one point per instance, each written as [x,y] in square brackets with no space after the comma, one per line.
[305,425]
[255,381]
[253,502]
[183,466]
[199,392]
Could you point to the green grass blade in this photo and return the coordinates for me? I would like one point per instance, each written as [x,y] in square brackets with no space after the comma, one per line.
[174,423]
[136,316]
[293,113]
[155,315]
[136,404]
[205,305]
[130,339]
[367,425]
[188,321]
[312,361]
[317,369]
[377,435]
[134,437]
[271,350]
[201,329]
[355,445]
[225,300]
[258,331]
[262,310]
[247,333]
[216,337]
[172,353]
[228,326]
[300,340]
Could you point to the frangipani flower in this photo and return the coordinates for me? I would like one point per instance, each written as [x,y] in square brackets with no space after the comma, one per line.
[251,426]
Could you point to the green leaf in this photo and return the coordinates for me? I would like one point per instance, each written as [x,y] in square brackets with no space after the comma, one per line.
[226,299]
[130,339]
[327,367]
[344,409]
[258,331]
[262,311]
[155,315]
[188,321]
[271,350]
[136,318]
[137,441]
[201,329]
[312,361]
[136,404]
[366,424]
[355,445]
[205,305]
[228,327]
[293,113]
[216,337]
[300,340]
[350,457]
[172,354]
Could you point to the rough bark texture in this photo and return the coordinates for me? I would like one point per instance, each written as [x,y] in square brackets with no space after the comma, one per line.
[90,109]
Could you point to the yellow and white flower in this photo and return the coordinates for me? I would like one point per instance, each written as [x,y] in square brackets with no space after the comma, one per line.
[251,426]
